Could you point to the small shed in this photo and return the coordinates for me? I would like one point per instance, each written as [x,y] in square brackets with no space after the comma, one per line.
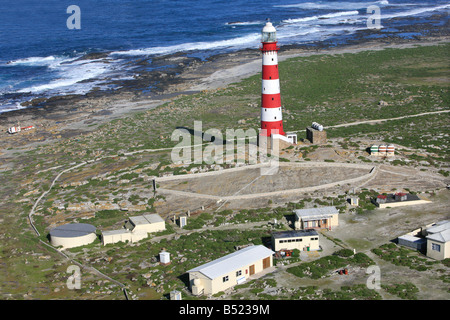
[182,220]
[354,201]
[175,295]
[164,257]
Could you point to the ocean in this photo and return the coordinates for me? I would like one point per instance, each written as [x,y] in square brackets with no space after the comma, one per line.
[44,52]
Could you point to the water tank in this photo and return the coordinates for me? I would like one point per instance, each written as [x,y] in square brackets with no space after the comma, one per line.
[391,148]
[374,149]
[72,235]
[317,126]
[382,148]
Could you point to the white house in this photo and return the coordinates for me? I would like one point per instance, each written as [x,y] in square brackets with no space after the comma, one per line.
[438,240]
[316,218]
[232,269]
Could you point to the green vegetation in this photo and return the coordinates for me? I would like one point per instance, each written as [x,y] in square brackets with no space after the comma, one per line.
[401,256]
[323,266]
[405,290]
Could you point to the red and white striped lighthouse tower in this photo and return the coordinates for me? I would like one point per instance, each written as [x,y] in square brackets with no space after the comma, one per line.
[271,117]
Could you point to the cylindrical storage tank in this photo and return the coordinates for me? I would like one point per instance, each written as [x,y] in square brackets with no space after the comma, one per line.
[382,149]
[317,126]
[391,149]
[374,149]
[72,235]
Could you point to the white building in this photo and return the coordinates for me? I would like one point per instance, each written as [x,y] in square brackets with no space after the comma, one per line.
[230,270]
[136,229]
[438,240]
[295,239]
[316,218]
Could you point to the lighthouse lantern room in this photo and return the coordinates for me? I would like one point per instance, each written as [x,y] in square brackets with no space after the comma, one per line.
[271,116]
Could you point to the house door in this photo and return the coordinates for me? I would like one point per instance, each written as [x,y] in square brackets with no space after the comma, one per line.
[266,263]
[252,269]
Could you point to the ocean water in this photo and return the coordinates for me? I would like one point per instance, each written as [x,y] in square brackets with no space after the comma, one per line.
[41,57]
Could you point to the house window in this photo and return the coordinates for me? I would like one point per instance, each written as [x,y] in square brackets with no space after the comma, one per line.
[436,247]
[238,273]
[225,279]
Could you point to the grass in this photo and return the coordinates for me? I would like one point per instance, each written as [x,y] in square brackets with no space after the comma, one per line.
[323,266]
[401,256]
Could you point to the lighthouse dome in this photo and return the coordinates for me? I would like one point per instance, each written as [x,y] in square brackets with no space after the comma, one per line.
[269,27]
[269,33]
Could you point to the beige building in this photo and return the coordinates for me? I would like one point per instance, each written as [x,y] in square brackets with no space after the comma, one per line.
[136,229]
[122,235]
[230,270]
[316,218]
[147,223]
[438,240]
[398,200]
[295,239]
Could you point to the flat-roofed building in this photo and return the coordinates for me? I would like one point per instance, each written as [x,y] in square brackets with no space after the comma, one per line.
[148,223]
[230,270]
[136,229]
[316,218]
[122,235]
[398,200]
[295,239]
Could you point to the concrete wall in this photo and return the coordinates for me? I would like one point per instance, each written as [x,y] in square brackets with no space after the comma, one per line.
[124,236]
[150,227]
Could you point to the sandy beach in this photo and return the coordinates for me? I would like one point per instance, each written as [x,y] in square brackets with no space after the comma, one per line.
[69,116]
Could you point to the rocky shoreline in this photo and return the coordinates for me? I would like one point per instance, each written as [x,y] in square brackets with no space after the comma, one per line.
[170,76]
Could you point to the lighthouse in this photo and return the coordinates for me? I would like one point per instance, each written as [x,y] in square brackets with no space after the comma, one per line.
[271,117]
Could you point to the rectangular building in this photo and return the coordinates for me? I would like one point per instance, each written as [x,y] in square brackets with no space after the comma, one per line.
[148,223]
[122,235]
[136,229]
[230,270]
[398,200]
[438,241]
[295,239]
[316,218]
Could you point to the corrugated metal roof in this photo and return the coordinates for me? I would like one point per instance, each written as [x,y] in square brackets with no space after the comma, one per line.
[233,261]
[323,212]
